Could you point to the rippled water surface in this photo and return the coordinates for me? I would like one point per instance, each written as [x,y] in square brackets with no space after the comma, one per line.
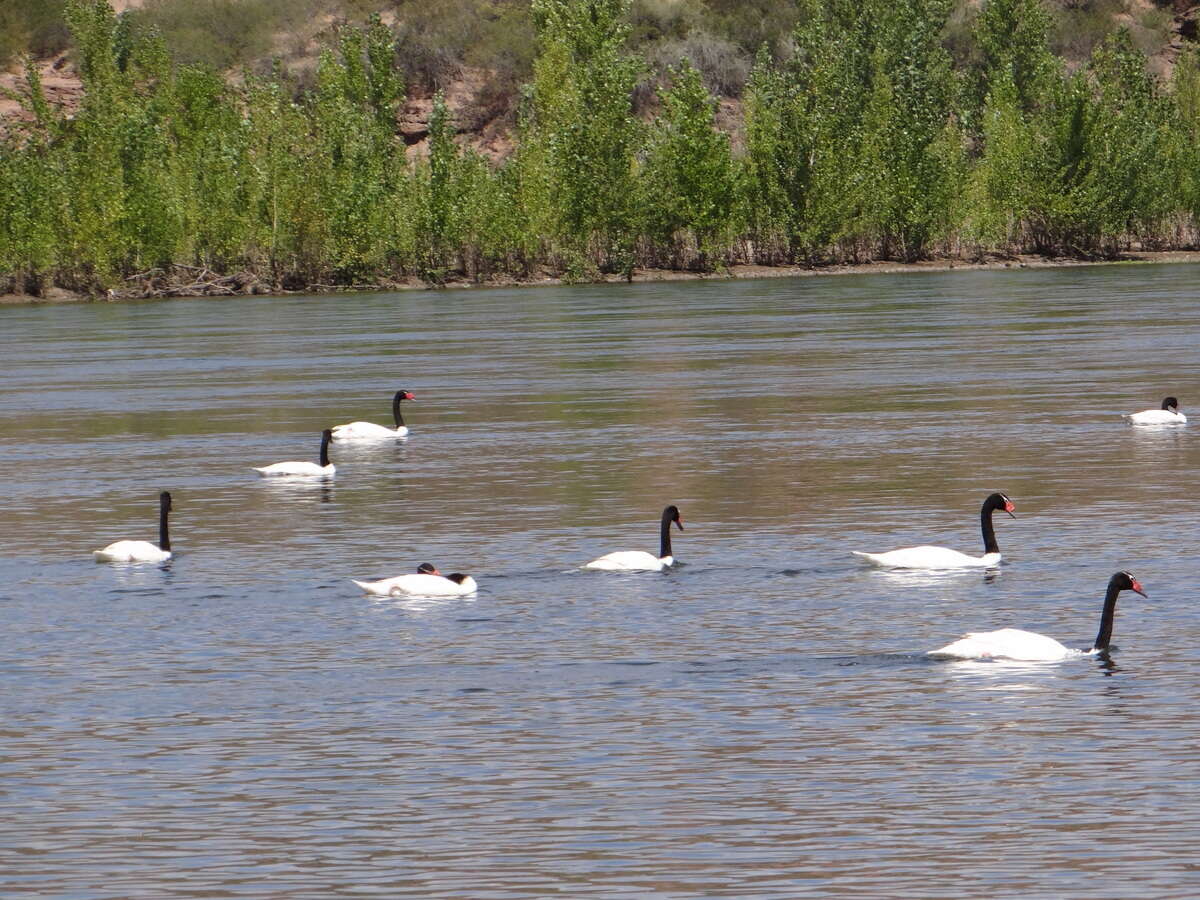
[759,722]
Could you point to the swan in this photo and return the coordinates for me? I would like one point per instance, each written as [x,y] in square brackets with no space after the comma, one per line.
[1168,415]
[142,551]
[1013,643]
[926,557]
[369,431]
[303,469]
[427,582]
[640,560]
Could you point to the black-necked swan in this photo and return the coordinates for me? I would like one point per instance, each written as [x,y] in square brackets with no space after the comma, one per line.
[926,557]
[142,551]
[326,469]
[426,582]
[1169,414]
[1013,643]
[640,560]
[369,431]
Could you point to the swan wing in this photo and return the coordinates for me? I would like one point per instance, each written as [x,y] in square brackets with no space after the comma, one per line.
[1007,643]
[367,431]
[131,551]
[1156,417]
[928,557]
[630,561]
[378,588]
[295,470]
[419,585]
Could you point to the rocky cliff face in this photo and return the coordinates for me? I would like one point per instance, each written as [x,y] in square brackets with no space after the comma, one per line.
[486,125]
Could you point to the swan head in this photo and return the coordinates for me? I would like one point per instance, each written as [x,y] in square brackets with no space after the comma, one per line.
[671,514]
[164,501]
[1000,501]
[427,569]
[1124,581]
[1172,404]
[404,395]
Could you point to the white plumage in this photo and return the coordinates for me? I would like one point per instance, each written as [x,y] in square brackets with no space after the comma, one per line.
[1029,646]
[1007,643]
[325,469]
[1156,417]
[931,557]
[631,561]
[641,560]
[369,431]
[421,585]
[928,557]
[1168,414]
[131,551]
[142,551]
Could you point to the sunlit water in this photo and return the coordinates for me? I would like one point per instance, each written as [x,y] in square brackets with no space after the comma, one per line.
[760,722]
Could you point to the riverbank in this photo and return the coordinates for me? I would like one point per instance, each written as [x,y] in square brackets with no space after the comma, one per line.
[206,284]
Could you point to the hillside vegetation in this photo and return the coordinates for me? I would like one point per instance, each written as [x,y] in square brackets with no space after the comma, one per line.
[890,129]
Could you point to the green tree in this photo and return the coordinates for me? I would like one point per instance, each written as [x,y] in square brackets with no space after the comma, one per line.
[583,118]
[1013,37]
[1185,133]
[913,150]
[356,161]
[1001,183]
[687,186]
[1110,154]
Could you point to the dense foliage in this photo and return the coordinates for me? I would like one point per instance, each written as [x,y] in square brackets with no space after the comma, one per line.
[866,141]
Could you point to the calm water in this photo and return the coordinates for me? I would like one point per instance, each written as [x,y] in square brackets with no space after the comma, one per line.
[758,723]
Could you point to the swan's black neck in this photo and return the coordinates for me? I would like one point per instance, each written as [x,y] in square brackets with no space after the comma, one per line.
[396,410]
[325,448]
[989,532]
[664,537]
[164,507]
[1106,618]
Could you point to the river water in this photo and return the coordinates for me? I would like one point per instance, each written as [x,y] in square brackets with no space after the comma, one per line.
[759,722]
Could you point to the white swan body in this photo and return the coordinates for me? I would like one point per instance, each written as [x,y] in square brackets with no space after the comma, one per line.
[142,551]
[324,469]
[631,561]
[369,431]
[420,585]
[1028,646]
[296,470]
[1007,643]
[930,557]
[641,560]
[131,551]
[1156,417]
[1169,414]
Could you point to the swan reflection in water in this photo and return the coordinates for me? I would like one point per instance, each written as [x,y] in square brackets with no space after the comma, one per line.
[300,490]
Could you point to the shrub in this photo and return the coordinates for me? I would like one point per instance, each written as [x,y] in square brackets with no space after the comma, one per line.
[724,65]
[31,26]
